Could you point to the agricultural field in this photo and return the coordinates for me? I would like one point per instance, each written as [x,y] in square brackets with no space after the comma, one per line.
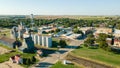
[69,16]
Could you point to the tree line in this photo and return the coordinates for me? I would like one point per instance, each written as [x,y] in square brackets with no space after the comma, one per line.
[67,22]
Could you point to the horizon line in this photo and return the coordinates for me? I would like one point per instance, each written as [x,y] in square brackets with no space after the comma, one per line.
[52,15]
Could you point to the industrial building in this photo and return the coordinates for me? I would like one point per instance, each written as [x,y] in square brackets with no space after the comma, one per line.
[44,41]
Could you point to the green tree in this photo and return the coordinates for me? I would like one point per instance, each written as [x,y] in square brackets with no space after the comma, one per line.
[33,59]
[103,45]
[102,37]
[78,31]
[28,61]
[57,30]
[90,36]
[62,43]
[102,42]
[89,41]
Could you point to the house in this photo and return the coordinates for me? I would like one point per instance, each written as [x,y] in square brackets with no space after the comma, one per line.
[117,42]
[16,59]
[116,35]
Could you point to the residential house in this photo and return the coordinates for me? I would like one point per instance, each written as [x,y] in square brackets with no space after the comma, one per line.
[16,59]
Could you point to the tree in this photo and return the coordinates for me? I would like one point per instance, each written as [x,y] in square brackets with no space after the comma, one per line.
[102,37]
[103,45]
[33,59]
[102,42]
[89,41]
[90,36]
[24,61]
[57,30]
[44,32]
[28,61]
[62,43]
[52,31]
[78,31]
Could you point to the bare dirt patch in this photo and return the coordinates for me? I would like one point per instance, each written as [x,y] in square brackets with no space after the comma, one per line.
[3,50]
[9,64]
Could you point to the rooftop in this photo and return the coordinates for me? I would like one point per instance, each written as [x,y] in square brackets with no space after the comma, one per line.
[103,30]
[117,31]
[6,39]
[85,28]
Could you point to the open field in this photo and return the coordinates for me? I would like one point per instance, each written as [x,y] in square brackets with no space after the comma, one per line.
[5,31]
[60,65]
[67,16]
[98,55]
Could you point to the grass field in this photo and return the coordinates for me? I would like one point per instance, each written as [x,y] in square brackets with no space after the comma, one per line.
[98,55]
[60,65]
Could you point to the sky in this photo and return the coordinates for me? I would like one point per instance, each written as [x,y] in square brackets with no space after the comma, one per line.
[60,7]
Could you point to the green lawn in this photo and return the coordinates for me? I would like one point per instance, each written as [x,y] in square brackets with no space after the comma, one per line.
[60,65]
[98,55]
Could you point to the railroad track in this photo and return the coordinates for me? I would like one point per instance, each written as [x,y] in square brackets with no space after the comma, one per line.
[86,63]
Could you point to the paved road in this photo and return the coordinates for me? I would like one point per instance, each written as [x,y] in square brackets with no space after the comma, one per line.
[53,58]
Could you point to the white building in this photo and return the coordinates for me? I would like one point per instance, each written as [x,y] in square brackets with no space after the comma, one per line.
[39,40]
[35,39]
[48,41]
[43,41]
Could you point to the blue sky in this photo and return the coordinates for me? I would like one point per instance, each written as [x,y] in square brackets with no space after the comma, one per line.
[60,7]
